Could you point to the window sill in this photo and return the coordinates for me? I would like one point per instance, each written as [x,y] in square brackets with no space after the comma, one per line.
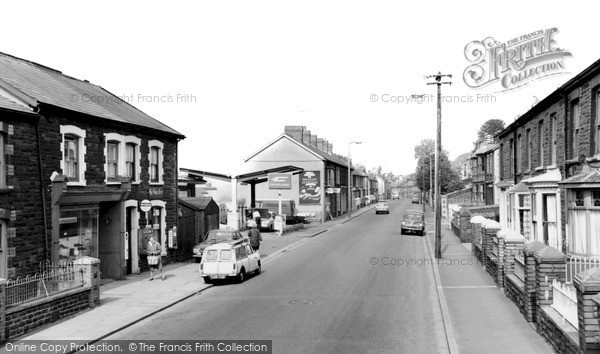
[113,183]
[551,167]
[571,161]
[6,189]
[157,183]
[594,158]
[77,184]
[541,168]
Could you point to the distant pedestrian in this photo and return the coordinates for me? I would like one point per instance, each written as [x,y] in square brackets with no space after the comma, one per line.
[154,249]
[255,238]
[256,217]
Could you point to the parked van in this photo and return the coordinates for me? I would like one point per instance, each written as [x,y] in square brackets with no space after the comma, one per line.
[231,260]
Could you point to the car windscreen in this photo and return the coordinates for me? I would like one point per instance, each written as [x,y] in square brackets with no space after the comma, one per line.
[211,255]
[413,217]
[226,255]
[219,235]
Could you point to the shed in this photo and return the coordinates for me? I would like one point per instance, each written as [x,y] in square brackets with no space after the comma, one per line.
[197,216]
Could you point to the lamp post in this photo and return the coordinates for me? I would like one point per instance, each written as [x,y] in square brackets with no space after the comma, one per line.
[350,179]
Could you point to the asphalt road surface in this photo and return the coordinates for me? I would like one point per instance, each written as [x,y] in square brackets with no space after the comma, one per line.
[360,287]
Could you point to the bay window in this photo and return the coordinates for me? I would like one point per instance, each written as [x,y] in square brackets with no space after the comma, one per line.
[584,221]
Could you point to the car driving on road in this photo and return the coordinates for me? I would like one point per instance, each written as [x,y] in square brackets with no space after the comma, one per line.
[382,207]
[413,221]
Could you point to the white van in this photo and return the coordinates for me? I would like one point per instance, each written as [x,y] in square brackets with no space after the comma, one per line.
[235,259]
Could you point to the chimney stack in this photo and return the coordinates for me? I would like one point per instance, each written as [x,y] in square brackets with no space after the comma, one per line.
[296,131]
[313,140]
[306,137]
[320,142]
[330,148]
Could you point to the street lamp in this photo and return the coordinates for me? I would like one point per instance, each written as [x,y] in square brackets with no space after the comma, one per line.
[350,179]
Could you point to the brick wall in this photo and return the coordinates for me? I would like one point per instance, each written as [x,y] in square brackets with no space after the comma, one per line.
[549,327]
[26,244]
[25,318]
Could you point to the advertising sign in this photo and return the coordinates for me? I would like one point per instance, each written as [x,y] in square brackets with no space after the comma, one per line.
[280,181]
[310,187]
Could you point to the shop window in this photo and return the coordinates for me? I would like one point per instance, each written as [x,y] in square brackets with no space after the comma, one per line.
[156,162]
[584,222]
[73,154]
[78,231]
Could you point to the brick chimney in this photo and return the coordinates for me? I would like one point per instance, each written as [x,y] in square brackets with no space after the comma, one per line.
[320,142]
[306,137]
[295,131]
[313,140]
[330,148]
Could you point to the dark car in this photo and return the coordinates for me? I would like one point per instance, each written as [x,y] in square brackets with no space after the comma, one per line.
[213,237]
[413,221]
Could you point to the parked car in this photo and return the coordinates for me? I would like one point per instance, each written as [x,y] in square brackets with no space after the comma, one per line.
[416,200]
[232,260]
[214,237]
[413,221]
[395,196]
[382,207]
[267,219]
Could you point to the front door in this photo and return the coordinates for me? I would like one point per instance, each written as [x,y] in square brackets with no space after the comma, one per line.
[549,221]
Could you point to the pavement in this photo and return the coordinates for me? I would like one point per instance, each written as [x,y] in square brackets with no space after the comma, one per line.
[477,315]
[126,302]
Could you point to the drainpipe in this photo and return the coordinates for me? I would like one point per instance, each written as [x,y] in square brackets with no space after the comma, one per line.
[42,189]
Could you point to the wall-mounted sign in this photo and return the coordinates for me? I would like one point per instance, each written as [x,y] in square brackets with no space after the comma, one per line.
[310,187]
[155,192]
[330,190]
[145,205]
[337,190]
[280,180]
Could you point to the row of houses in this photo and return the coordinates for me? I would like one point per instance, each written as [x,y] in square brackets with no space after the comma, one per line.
[83,173]
[543,172]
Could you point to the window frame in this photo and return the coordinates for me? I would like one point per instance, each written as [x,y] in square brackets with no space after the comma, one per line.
[160,167]
[124,141]
[553,143]
[588,207]
[541,143]
[80,134]
[115,145]
[3,170]
[3,249]
[575,113]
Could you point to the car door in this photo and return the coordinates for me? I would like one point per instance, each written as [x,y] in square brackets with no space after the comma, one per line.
[252,259]
[242,258]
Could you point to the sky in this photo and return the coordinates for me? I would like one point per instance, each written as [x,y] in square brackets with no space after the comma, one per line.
[229,75]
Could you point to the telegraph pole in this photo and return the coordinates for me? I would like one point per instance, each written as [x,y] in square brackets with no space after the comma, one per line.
[438,154]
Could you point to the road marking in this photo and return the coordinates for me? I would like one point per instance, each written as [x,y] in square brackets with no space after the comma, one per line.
[468,286]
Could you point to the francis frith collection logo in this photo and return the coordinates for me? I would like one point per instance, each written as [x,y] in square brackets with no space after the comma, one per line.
[516,62]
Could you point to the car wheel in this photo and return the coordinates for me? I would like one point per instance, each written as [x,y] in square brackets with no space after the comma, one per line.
[198,259]
[207,280]
[401,231]
[257,271]
[241,276]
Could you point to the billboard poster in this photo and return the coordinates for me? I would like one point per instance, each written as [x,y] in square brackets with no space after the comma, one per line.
[310,187]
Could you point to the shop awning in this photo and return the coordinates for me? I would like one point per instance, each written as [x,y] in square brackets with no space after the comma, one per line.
[92,196]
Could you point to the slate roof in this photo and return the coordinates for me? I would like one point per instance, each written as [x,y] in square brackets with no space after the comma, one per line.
[332,158]
[593,176]
[49,86]
[9,104]
[485,149]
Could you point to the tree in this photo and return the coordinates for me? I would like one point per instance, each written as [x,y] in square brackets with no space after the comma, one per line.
[449,177]
[488,130]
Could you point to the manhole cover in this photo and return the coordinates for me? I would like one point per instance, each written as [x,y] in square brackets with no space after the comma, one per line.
[301,302]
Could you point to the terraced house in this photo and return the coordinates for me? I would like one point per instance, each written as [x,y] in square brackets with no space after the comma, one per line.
[76,164]
[550,168]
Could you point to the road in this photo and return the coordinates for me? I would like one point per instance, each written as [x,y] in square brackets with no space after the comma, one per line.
[335,293]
